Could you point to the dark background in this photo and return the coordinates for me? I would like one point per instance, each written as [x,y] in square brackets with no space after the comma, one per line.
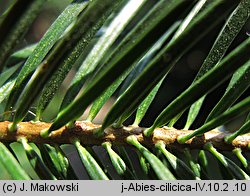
[178,79]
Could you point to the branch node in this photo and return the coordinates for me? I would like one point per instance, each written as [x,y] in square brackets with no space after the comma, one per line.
[13,127]
[44,133]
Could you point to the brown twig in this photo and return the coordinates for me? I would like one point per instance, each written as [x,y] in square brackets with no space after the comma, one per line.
[84,132]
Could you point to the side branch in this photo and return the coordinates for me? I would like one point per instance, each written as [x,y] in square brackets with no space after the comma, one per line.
[84,132]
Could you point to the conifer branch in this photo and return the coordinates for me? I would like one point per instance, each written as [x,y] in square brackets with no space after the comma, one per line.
[117,136]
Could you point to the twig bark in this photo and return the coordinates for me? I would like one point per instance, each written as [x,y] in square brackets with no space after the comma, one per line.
[84,132]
